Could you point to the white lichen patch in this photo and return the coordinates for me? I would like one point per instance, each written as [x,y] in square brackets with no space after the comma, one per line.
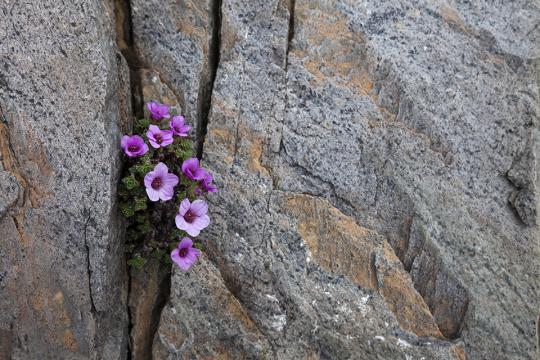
[272,297]
[402,343]
[279,322]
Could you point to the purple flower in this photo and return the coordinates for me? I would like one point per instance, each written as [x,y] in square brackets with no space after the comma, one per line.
[191,169]
[159,138]
[178,127]
[185,255]
[192,217]
[159,183]
[133,145]
[205,185]
[158,111]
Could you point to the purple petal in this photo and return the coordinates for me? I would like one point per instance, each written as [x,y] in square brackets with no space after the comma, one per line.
[166,137]
[191,230]
[154,144]
[166,193]
[199,207]
[199,174]
[161,169]
[184,207]
[148,178]
[185,243]
[180,222]
[153,195]
[124,141]
[144,149]
[201,222]
[163,110]
[184,264]
[177,121]
[189,164]
[175,256]
[171,180]
[194,253]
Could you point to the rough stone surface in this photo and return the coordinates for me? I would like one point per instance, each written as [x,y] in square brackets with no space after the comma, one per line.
[153,88]
[63,98]
[204,320]
[173,38]
[378,166]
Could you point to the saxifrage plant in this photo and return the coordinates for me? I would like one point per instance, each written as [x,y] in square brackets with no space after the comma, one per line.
[162,190]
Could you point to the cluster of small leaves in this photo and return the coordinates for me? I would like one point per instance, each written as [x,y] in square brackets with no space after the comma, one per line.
[150,225]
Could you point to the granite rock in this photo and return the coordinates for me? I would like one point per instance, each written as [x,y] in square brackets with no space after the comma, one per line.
[405,134]
[204,320]
[174,39]
[377,164]
[63,102]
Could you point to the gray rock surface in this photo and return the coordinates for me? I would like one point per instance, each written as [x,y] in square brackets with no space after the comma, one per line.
[63,98]
[378,166]
[174,39]
[206,321]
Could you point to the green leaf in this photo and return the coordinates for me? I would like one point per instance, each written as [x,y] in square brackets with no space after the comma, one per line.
[122,192]
[181,195]
[141,125]
[142,169]
[140,204]
[127,210]
[147,158]
[137,261]
[177,234]
[158,253]
[130,182]
[199,246]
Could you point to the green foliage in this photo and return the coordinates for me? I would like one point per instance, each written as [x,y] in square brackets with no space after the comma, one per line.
[137,261]
[130,182]
[177,234]
[140,204]
[183,149]
[127,210]
[159,254]
[141,126]
[142,169]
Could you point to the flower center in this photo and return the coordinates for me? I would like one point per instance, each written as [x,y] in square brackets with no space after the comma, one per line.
[183,252]
[156,183]
[189,216]
[133,148]
[158,138]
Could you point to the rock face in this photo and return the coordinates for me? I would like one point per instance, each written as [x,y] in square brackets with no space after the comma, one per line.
[205,319]
[378,166]
[174,38]
[64,97]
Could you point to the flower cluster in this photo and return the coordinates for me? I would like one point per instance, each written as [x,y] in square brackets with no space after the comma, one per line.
[163,190]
